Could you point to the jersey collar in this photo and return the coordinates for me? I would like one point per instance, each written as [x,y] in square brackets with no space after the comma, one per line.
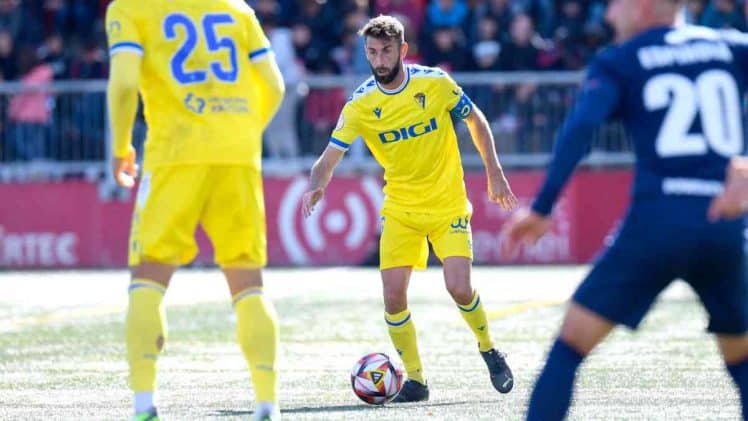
[400,88]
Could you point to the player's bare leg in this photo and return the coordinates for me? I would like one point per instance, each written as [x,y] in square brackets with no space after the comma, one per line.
[582,330]
[734,350]
[403,332]
[258,335]
[146,332]
[457,271]
[395,288]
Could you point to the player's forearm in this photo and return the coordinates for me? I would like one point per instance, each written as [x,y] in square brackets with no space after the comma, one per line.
[324,167]
[321,174]
[480,132]
[122,100]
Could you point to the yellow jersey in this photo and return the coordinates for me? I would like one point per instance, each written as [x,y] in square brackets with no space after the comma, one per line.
[197,84]
[409,131]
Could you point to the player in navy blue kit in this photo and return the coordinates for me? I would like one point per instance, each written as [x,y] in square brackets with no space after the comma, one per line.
[678,91]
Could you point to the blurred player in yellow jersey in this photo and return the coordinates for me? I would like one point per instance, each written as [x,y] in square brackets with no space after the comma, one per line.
[210,85]
[404,114]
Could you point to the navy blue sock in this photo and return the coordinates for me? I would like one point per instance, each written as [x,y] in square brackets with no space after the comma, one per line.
[551,396]
[739,373]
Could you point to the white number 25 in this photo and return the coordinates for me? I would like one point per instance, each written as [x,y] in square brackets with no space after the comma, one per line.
[714,96]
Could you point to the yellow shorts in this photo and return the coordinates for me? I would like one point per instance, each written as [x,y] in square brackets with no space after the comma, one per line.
[405,235]
[227,201]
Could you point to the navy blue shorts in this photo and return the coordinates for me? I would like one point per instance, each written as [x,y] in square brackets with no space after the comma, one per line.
[658,244]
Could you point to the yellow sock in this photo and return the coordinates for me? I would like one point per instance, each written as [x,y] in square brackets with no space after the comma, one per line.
[475,317]
[146,333]
[257,331]
[403,335]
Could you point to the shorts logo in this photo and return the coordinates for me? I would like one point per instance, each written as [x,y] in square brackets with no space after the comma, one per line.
[460,224]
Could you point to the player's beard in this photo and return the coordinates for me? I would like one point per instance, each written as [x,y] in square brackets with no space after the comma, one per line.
[388,77]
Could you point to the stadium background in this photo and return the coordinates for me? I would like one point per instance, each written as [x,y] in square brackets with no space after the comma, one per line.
[519,60]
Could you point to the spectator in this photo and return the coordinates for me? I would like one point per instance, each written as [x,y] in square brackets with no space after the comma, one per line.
[498,10]
[570,20]
[521,51]
[447,50]
[693,11]
[486,47]
[318,30]
[52,52]
[91,64]
[7,56]
[280,136]
[723,14]
[11,17]
[449,13]
[29,112]
[350,56]
[412,10]
[321,110]
[268,10]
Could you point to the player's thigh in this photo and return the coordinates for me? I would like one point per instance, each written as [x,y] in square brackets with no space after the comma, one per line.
[403,242]
[719,279]
[629,275]
[234,217]
[451,236]
[167,208]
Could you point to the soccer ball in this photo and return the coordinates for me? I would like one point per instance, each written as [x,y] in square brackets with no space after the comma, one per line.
[375,379]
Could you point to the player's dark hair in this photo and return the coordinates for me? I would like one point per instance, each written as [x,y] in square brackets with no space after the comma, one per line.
[384,28]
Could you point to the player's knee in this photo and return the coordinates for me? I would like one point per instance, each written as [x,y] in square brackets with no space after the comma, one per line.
[395,300]
[583,330]
[461,291]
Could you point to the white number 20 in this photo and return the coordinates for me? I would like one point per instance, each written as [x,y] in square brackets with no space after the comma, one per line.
[714,95]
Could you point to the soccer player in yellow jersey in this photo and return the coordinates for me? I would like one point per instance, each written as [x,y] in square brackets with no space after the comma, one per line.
[210,85]
[404,114]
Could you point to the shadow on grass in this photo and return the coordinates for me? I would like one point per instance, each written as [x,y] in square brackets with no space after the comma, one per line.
[343,408]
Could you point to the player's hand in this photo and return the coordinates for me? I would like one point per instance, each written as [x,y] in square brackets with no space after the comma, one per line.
[500,192]
[125,169]
[733,201]
[310,199]
[524,226]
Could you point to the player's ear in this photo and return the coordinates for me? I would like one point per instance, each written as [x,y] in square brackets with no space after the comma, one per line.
[404,49]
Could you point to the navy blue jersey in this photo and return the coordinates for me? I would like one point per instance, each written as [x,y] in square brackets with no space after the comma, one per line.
[679,94]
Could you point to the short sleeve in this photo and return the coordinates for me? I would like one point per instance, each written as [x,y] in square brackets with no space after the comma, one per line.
[345,132]
[459,104]
[122,31]
[257,42]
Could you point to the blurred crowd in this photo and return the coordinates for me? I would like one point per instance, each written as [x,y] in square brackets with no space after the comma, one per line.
[46,40]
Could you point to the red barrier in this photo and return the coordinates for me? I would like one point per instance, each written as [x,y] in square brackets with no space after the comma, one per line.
[67,225]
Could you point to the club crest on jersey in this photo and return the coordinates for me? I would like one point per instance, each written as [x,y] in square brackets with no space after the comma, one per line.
[378,112]
[420,99]
[114,29]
